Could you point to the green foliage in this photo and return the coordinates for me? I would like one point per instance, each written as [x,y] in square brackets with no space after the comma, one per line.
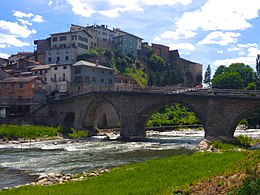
[223,146]
[156,63]
[250,86]
[244,140]
[13,132]
[236,76]
[156,176]
[175,114]
[91,54]
[77,134]
[207,75]
[244,122]
[137,74]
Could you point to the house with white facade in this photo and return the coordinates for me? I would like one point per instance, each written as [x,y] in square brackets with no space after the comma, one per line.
[57,77]
[87,76]
[66,46]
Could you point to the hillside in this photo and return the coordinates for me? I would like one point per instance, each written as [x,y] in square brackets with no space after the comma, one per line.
[146,69]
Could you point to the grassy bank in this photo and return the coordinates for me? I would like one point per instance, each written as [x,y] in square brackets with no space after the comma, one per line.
[14,132]
[156,176]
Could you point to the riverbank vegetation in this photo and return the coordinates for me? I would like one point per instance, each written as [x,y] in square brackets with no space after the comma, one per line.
[27,132]
[157,176]
[173,115]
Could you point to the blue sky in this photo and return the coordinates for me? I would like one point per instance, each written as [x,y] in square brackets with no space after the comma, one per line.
[215,32]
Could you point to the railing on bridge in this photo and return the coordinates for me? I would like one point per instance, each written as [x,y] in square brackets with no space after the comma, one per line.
[171,90]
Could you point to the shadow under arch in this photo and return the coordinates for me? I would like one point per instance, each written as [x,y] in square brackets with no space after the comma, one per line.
[146,114]
[69,120]
[242,116]
[96,114]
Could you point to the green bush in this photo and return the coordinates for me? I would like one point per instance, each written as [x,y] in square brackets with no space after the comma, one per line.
[77,134]
[13,132]
[244,140]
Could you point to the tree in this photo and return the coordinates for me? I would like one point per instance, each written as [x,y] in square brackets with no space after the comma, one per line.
[258,65]
[207,75]
[236,76]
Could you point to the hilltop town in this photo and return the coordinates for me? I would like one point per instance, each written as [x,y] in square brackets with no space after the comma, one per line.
[88,58]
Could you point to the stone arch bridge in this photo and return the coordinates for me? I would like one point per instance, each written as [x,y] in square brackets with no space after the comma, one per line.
[219,114]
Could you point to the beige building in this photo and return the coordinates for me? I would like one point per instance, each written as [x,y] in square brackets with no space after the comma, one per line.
[66,46]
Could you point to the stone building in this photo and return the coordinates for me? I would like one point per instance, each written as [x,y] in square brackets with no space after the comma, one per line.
[87,76]
[191,71]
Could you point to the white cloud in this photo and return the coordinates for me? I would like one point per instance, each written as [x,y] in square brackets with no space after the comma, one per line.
[25,22]
[20,14]
[182,46]
[166,2]
[220,38]
[4,55]
[50,3]
[247,52]
[81,7]
[11,40]
[86,8]
[38,19]
[15,29]
[233,49]
[178,34]
[220,51]
[216,15]
[245,59]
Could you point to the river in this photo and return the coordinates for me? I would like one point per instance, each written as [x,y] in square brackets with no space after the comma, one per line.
[22,163]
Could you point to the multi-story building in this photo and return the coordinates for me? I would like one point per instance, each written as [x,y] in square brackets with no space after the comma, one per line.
[191,71]
[104,36]
[41,47]
[126,44]
[57,77]
[86,76]
[20,94]
[3,62]
[13,59]
[66,46]
[92,31]
[162,51]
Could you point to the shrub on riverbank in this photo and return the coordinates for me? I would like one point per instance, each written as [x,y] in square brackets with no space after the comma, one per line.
[14,132]
[156,176]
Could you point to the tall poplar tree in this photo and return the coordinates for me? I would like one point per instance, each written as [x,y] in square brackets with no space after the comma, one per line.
[207,75]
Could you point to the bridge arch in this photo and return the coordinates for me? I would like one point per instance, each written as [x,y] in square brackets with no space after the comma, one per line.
[147,113]
[100,113]
[242,115]
[69,120]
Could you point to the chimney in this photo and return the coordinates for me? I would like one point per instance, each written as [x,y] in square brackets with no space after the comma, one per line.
[96,62]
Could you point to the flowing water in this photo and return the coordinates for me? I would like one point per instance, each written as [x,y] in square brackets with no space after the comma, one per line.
[22,163]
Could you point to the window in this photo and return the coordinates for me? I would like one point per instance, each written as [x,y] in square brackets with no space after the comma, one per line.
[102,71]
[110,81]
[104,33]
[83,39]
[105,40]
[55,68]
[94,79]
[46,71]
[77,70]
[63,38]
[62,45]
[45,79]
[102,80]
[74,37]
[63,77]
[73,45]
[58,59]
[83,46]
[67,59]
[64,67]
[54,39]
[49,59]
[20,85]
